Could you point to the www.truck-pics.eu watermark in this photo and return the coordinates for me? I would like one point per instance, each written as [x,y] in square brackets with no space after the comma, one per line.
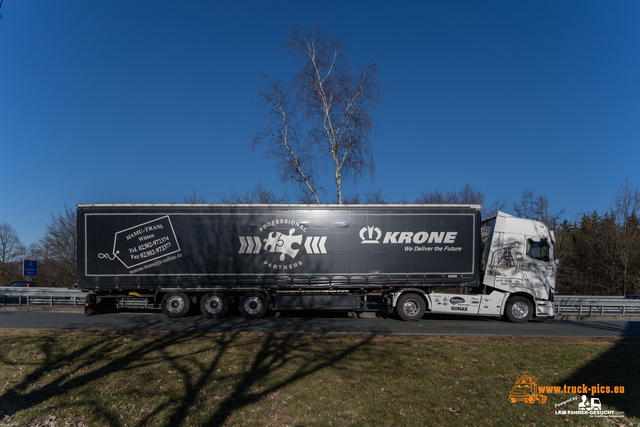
[526,389]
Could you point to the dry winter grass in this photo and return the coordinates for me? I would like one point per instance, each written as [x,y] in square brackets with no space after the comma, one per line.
[140,379]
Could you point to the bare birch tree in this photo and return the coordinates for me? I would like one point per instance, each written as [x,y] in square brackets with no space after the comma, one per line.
[323,118]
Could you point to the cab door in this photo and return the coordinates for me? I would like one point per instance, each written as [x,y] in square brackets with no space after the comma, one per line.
[505,261]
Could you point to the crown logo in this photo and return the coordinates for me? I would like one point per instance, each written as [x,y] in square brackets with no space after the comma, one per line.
[373,234]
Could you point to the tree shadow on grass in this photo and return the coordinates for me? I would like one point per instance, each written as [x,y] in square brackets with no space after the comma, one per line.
[69,379]
[87,369]
[276,353]
[619,366]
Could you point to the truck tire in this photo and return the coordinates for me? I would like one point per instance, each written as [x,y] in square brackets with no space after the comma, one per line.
[410,307]
[519,309]
[253,305]
[214,305]
[176,304]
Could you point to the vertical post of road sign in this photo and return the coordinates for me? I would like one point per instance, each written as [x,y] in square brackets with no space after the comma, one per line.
[29,268]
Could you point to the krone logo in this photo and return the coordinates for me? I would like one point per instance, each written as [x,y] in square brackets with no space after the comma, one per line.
[370,232]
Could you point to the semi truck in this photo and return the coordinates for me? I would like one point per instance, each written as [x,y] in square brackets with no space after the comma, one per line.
[397,260]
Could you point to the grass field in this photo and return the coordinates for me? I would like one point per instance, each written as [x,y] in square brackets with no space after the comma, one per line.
[140,379]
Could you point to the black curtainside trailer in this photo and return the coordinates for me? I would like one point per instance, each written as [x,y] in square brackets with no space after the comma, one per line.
[284,257]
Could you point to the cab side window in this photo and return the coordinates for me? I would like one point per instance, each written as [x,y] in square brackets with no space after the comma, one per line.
[538,250]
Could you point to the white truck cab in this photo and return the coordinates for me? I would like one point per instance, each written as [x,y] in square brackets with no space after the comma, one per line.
[519,269]
[518,261]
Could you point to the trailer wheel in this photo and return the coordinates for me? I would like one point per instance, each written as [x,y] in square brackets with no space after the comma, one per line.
[214,305]
[410,307]
[519,309]
[253,305]
[176,304]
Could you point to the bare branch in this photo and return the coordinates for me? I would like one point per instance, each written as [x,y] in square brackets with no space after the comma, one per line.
[259,194]
[194,199]
[292,158]
[537,208]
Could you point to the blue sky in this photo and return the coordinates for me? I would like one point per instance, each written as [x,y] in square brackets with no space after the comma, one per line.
[145,101]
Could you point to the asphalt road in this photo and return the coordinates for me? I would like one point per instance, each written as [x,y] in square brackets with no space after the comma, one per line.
[318,323]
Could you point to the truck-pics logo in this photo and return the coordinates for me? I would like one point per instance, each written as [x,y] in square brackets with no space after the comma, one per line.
[529,391]
[287,244]
[526,390]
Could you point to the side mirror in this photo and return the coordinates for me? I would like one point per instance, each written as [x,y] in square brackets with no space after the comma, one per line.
[557,261]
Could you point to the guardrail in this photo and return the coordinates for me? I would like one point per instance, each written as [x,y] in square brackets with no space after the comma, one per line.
[60,297]
[602,305]
[47,297]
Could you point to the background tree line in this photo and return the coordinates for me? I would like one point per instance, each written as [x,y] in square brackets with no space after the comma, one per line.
[600,252]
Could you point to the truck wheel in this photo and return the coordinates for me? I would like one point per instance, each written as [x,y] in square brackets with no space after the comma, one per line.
[519,309]
[410,307]
[214,305]
[253,305]
[542,398]
[176,304]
